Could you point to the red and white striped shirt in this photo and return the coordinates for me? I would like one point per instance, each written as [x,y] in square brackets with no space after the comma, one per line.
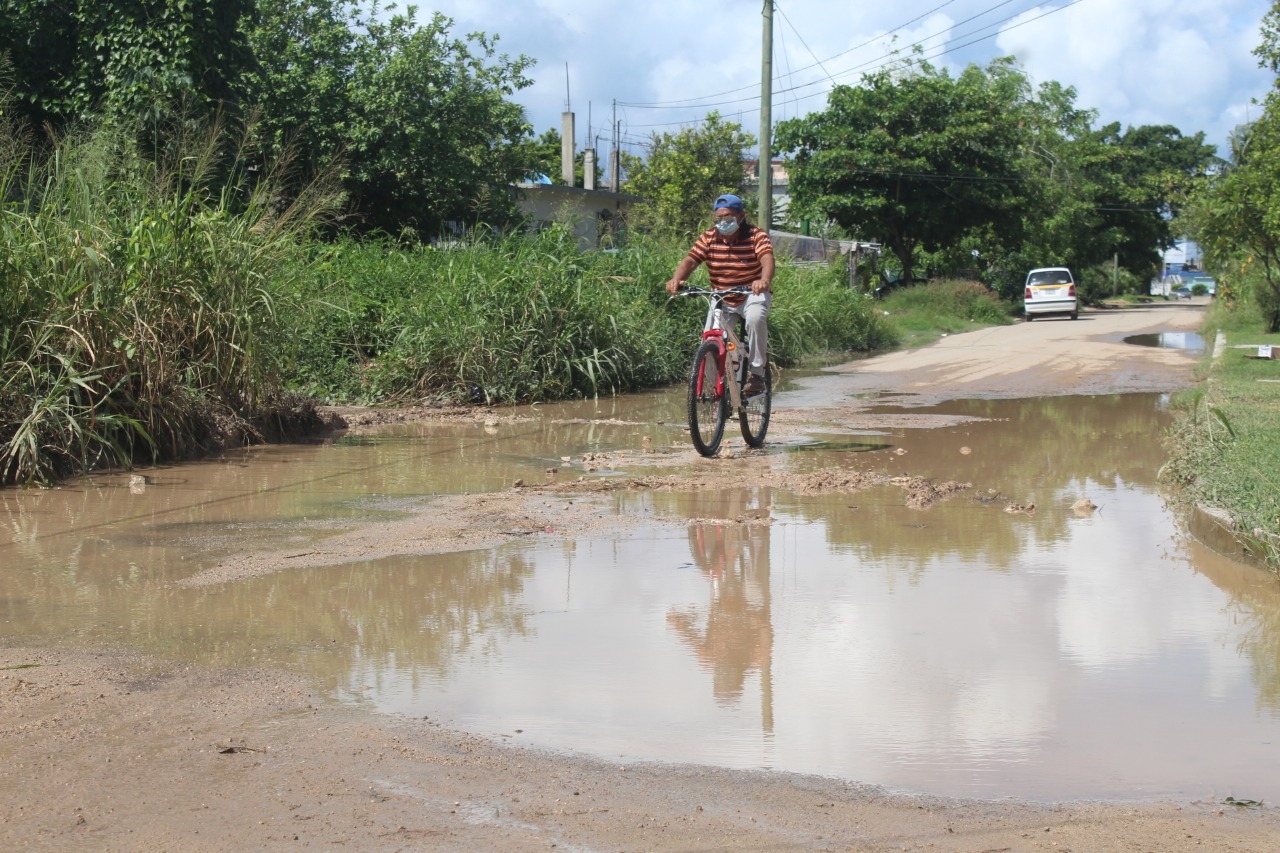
[732,263]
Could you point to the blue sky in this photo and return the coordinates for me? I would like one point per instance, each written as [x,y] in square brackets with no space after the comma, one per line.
[668,62]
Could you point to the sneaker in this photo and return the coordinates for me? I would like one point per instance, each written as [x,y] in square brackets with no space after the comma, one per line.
[754,386]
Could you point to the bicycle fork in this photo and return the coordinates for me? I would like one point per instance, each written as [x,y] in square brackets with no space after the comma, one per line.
[728,355]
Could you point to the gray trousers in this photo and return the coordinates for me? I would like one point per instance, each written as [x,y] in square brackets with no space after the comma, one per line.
[755,311]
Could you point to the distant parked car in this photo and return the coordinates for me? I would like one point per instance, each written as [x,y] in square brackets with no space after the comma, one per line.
[1181,293]
[1050,290]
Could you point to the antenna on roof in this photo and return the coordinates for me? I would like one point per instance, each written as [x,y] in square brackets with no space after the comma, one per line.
[567,106]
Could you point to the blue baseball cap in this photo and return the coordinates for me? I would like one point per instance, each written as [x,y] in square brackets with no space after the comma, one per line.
[730,201]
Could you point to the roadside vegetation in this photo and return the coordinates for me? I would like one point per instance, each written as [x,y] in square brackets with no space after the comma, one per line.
[218,213]
[140,300]
[1223,448]
[921,314]
[529,317]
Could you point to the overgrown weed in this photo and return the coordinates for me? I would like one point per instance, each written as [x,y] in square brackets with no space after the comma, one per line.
[134,294]
[530,317]
[922,313]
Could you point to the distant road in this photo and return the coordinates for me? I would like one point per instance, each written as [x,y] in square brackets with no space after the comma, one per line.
[1048,356]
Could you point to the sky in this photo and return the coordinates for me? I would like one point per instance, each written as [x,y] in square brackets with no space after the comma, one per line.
[667,63]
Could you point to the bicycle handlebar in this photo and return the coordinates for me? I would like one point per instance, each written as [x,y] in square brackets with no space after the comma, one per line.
[740,290]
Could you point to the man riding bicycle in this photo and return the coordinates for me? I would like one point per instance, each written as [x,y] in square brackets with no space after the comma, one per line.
[737,254]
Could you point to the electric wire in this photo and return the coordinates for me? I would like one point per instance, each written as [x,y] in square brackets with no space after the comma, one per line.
[688,101]
[890,57]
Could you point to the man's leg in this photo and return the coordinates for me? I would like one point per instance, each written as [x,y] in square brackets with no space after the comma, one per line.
[756,314]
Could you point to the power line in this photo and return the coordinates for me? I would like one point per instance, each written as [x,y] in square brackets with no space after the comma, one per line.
[688,101]
[806,44]
[893,56]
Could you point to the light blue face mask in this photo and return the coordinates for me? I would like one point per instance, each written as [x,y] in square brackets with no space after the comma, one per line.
[727,226]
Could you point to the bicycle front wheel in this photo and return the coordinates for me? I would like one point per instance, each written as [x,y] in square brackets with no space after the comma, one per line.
[708,405]
[753,417]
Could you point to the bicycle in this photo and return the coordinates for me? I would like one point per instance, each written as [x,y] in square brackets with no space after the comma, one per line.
[721,365]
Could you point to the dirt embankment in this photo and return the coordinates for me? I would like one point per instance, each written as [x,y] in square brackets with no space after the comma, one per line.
[110,750]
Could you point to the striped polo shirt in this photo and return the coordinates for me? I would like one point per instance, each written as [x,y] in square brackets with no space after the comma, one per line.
[730,264]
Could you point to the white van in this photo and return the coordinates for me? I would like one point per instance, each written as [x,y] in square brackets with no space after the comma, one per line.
[1050,290]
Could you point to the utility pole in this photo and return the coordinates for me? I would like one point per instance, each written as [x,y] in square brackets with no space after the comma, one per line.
[766,119]
[615,161]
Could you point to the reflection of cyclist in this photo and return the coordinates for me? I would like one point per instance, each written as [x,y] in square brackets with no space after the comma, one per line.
[737,253]
[737,634]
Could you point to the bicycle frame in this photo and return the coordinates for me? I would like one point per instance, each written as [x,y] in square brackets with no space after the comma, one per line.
[730,349]
[720,365]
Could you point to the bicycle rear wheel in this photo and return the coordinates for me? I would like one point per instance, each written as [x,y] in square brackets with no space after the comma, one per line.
[708,406]
[753,416]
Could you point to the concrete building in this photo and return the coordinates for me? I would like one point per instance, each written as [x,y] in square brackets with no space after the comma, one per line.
[780,185]
[598,217]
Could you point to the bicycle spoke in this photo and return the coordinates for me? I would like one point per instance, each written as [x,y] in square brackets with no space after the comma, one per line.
[753,416]
[708,406]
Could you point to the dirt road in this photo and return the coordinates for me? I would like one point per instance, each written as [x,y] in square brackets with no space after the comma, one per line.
[111,750]
[1045,357]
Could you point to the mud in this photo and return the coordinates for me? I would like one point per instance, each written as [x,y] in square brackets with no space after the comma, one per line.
[250,758]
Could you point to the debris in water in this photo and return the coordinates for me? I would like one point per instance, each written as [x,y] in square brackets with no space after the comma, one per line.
[1084,506]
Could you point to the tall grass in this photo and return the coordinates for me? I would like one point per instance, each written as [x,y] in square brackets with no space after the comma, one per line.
[137,297]
[151,303]
[924,312]
[529,317]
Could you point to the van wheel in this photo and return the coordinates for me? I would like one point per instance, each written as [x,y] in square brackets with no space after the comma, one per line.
[1075,315]
[1029,318]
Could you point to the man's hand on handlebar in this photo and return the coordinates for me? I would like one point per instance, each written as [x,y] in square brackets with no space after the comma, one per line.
[674,285]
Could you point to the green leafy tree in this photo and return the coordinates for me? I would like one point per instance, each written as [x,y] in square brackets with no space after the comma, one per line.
[546,154]
[682,173]
[1104,195]
[421,120]
[1235,216]
[913,157]
[75,60]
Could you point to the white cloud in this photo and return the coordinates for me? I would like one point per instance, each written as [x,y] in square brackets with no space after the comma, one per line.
[1180,62]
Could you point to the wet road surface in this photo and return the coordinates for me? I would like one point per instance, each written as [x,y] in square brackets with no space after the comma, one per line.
[1003,642]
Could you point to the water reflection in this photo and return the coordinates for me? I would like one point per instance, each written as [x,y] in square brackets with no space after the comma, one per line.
[732,635]
[1169,340]
[960,649]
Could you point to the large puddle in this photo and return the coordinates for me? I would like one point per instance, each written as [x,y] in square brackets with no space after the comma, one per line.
[959,650]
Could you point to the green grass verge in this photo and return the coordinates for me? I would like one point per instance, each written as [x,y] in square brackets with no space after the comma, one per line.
[921,314]
[1225,445]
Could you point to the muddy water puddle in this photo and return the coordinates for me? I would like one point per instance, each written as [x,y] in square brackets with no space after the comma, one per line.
[1169,340]
[1007,641]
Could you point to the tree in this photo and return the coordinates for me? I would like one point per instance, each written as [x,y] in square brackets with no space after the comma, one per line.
[546,160]
[1236,214]
[420,119]
[75,60]
[913,157]
[1104,195]
[682,173]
